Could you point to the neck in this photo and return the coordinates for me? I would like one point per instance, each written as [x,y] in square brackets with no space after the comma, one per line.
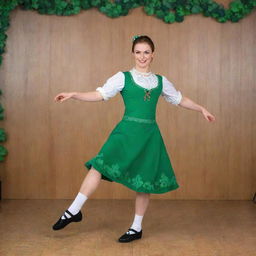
[143,70]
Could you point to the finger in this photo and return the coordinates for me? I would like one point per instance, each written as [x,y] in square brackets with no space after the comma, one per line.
[212,118]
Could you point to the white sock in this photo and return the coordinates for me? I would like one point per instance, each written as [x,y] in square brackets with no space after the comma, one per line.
[136,224]
[76,205]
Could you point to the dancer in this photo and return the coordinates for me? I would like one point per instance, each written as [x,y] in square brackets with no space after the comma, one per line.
[134,154]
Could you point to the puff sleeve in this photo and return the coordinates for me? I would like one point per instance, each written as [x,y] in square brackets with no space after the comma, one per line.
[112,86]
[170,93]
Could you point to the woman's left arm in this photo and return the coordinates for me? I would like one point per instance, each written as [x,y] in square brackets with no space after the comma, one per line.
[189,104]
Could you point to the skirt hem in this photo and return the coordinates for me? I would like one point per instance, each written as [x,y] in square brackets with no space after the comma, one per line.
[109,178]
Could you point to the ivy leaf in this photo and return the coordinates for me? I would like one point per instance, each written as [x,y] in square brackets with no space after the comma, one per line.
[3,152]
[103,9]
[63,5]
[179,18]
[222,19]
[235,6]
[2,135]
[167,4]
[95,2]
[170,18]
[77,9]
[196,9]
[180,11]
[35,4]
[149,10]
[159,13]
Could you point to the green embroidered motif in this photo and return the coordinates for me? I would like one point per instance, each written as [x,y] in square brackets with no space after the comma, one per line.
[113,170]
[139,120]
[137,181]
[164,181]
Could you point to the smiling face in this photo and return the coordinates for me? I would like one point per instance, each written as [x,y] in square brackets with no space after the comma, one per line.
[143,56]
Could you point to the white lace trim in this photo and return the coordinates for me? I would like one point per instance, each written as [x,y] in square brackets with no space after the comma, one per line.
[147,80]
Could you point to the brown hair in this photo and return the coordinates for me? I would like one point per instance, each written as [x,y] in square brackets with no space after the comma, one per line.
[143,39]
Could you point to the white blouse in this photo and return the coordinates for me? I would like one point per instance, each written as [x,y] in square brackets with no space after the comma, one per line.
[146,80]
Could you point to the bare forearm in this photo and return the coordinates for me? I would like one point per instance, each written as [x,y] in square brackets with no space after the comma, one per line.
[189,104]
[87,96]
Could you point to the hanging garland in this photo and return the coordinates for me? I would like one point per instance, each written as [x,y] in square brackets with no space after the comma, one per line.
[3,150]
[169,11]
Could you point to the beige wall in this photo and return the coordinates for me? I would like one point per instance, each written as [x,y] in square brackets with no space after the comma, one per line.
[48,143]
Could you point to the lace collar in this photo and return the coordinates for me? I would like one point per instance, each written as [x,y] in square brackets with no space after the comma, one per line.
[144,74]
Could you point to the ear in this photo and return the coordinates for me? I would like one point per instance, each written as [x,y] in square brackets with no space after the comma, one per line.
[152,57]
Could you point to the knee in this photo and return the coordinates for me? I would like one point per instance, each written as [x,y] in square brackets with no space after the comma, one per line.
[96,172]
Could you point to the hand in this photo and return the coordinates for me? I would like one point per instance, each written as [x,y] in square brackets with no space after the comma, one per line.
[63,96]
[208,116]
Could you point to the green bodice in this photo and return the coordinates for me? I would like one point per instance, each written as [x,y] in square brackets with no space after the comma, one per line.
[140,103]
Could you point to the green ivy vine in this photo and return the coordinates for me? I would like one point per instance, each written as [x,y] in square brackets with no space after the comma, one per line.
[3,150]
[169,11]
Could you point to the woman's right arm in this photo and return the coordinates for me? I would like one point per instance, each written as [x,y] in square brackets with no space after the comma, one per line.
[86,96]
[112,86]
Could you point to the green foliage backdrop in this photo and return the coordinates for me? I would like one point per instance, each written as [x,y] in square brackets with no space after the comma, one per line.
[169,11]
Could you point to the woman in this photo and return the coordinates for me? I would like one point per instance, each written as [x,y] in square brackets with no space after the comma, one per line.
[134,153]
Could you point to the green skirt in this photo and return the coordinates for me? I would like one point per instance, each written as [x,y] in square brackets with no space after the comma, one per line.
[135,155]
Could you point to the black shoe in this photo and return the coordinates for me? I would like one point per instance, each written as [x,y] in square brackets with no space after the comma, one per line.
[126,237]
[61,223]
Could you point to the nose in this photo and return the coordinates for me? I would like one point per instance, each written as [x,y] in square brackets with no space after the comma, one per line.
[142,56]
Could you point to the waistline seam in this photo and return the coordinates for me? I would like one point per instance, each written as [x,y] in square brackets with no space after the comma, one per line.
[139,120]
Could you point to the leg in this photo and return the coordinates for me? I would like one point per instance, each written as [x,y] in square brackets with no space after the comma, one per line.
[89,185]
[135,231]
[91,182]
[141,203]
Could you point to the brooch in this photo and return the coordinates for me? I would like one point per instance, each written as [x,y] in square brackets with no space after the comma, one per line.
[147,94]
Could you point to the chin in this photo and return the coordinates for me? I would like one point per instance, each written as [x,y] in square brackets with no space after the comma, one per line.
[143,65]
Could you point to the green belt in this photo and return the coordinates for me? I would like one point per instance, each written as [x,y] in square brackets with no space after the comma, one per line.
[139,120]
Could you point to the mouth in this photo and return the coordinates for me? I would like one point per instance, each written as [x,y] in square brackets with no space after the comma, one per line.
[142,61]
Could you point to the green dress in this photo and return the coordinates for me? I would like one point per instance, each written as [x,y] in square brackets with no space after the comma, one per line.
[134,154]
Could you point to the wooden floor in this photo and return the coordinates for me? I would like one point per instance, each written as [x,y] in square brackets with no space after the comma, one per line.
[175,228]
